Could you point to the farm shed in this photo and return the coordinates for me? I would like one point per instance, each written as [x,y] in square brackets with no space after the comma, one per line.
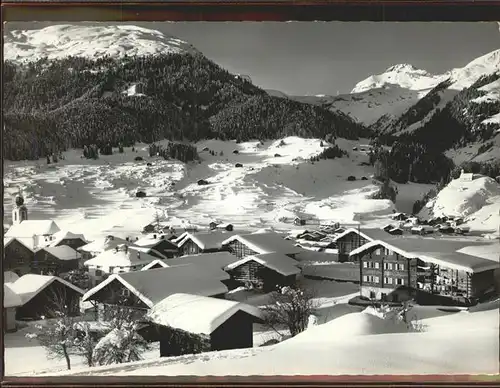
[56,260]
[192,243]
[269,270]
[11,301]
[40,293]
[18,257]
[227,324]
[243,245]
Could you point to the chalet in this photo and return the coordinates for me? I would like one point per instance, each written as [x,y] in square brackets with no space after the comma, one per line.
[266,271]
[192,244]
[422,229]
[299,221]
[468,177]
[243,245]
[42,296]
[72,240]
[35,233]
[225,324]
[221,226]
[353,238]
[159,245]
[436,267]
[141,290]
[56,260]
[399,217]
[121,259]
[99,246]
[11,301]
[216,260]
[18,257]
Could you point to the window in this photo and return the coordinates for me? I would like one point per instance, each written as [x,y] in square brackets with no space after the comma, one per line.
[125,292]
[376,279]
[372,295]
[377,265]
[365,264]
[377,251]
[387,280]
[388,266]
[371,279]
[98,272]
[401,267]
[400,282]
[365,278]
[111,269]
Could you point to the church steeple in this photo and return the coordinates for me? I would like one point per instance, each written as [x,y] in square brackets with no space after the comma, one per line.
[19,210]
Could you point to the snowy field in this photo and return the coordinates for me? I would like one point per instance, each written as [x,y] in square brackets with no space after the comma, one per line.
[94,197]
[462,342]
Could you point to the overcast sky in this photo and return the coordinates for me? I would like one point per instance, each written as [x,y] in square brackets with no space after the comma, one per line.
[330,57]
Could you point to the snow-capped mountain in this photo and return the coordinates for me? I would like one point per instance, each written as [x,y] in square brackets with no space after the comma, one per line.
[60,41]
[404,76]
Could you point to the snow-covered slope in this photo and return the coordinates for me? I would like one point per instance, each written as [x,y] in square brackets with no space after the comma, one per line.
[91,41]
[477,200]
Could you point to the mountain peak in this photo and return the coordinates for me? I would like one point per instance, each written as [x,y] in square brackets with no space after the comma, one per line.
[90,41]
[402,67]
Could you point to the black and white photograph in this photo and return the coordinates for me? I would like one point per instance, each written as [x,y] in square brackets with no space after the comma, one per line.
[251,198]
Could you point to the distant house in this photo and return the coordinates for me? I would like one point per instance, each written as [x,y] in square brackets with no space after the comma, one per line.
[121,259]
[399,217]
[243,245]
[141,290]
[468,177]
[192,244]
[35,233]
[158,243]
[72,240]
[225,324]
[42,296]
[221,226]
[395,231]
[428,264]
[11,301]
[265,271]
[56,260]
[299,221]
[18,257]
[101,245]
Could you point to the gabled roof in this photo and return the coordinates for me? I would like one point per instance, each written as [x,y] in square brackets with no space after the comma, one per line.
[149,251]
[436,251]
[10,277]
[177,311]
[276,261]
[62,252]
[30,228]
[150,241]
[267,242]
[120,257]
[154,285]
[211,240]
[366,235]
[8,240]
[104,244]
[155,263]
[10,298]
[217,260]
[65,235]
[487,251]
[30,285]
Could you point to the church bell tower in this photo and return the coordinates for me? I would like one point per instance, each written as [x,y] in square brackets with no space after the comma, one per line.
[19,210]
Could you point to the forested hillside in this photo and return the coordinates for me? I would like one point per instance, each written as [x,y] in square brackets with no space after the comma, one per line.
[72,102]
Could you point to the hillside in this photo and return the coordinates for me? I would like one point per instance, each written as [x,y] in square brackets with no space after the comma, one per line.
[167,91]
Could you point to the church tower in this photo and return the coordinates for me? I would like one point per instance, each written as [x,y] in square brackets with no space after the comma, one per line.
[19,210]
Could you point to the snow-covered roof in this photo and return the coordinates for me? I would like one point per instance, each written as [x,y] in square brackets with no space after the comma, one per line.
[149,251]
[30,228]
[275,261]
[429,250]
[120,257]
[178,310]
[25,242]
[154,264]
[62,252]
[10,298]
[10,277]
[267,242]
[217,260]
[154,285]
[104,244]
[65,235]
[30,285]
[368,235]
[488,251]
[210,240]
[152,240]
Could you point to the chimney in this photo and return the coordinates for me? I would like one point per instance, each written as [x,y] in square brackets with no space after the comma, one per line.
[126,248]
[128,239]
[116,248]
[154,236]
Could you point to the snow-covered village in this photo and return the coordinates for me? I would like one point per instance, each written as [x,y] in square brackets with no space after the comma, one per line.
[169,215]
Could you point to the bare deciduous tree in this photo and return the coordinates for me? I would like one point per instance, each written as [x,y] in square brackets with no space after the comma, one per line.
[290,308]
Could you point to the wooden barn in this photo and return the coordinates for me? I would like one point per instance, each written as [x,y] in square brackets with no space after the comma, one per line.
[243,245]
[159,245]
[434,266]
[42,296]
[224,324]
[56,260]
[11,301]
[141,290]
[353,238]
[265,271]
[18,257]
[193,244]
